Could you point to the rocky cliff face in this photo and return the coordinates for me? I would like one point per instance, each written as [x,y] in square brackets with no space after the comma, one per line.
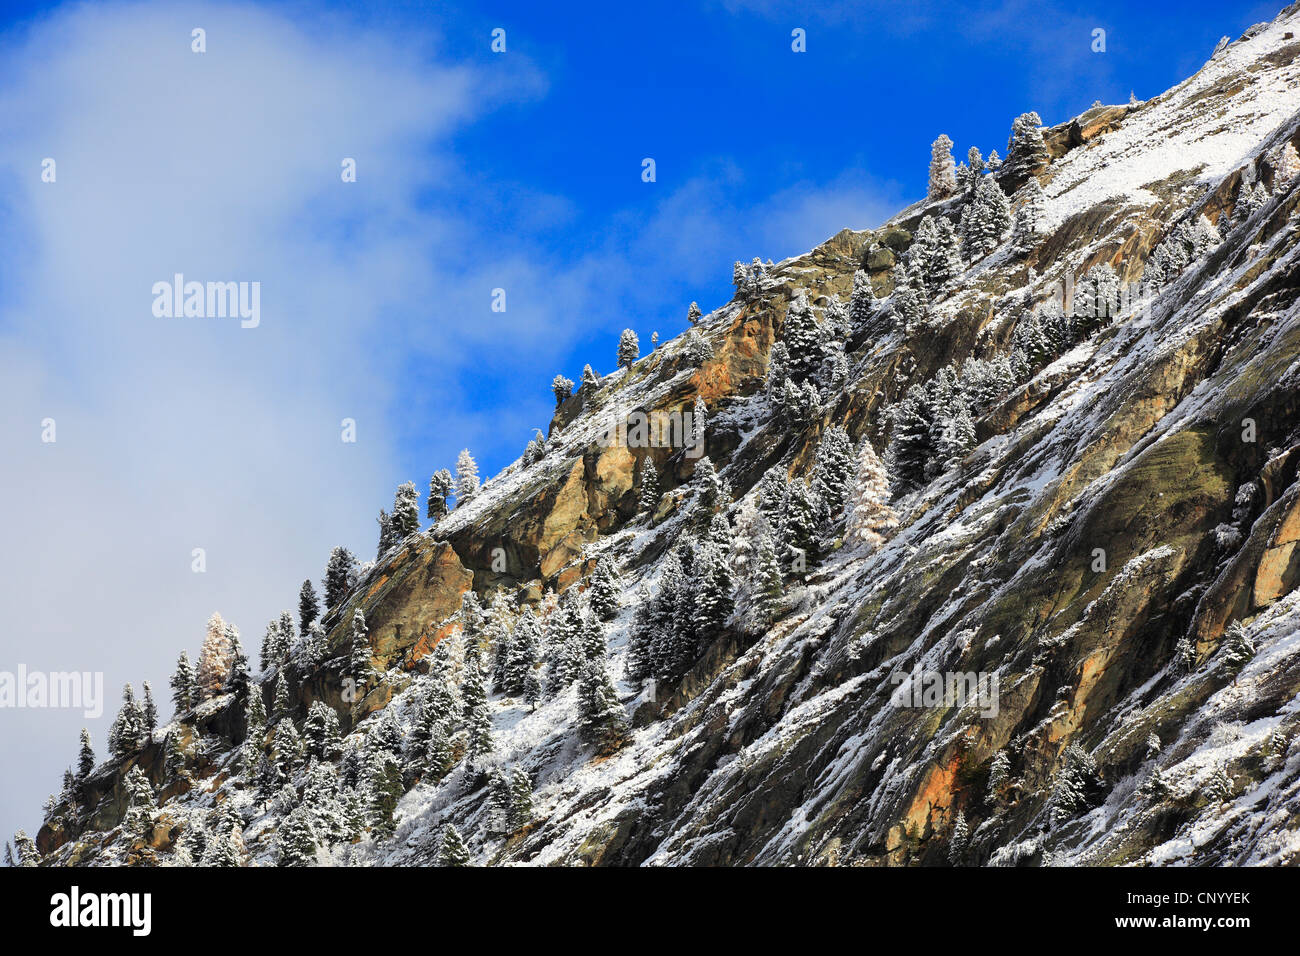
[1119,548]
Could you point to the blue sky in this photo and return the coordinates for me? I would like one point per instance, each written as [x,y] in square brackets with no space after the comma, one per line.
[475,171]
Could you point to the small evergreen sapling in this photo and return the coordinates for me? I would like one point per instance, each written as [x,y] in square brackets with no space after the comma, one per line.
[452,851]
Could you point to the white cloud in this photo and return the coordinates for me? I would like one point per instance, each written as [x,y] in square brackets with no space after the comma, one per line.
[175,434]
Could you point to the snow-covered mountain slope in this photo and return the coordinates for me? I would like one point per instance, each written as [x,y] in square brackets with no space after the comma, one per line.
[1098,524]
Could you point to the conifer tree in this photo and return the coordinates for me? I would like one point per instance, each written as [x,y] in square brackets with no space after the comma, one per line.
[957,841]
[360,665]
[764,587]
[255,716]
[862,301]
[943,178]
[215,658]
[602,720]
[871,518]
[562,388]
[649,495]
[85,756]
[833,472]
[387,536]
[985,219]
[174,762]
[321,732]
[288,749]
[140,803]
[629,349]
[912,446]
[280,700]
[713,491]
[453,851]
[1029,224]
[999,773]
[799,527]
[524,653]
[182,685]
[440,488]
[909,304]
[437,757]
[296,840]
[339,573]
[802,338]
[693,314]
[478,719]
[406,511]
[466,477]
[25,849]
[521,799]
[124,735]
[149,711]
[1026,151]
[383,781]
[606,588]
[934,252]
[590,383]
[714,602]
[308,608]
[778,368]
[661,623]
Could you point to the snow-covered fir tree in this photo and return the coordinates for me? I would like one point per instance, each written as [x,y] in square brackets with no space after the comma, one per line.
[714,602]
[648,496]
[406,511]
[360,666]
[802,338]
[601,720]
[524,653]
[387,535]
[629,349]
[985,219]
[935,253]
[999,775]
[477,718]
[693,314]
[321,732]
[943,178]
[958,839]
[862,301]
[148,710]
[339,574]
[452,850]
[125,733]
[139,803]
[85,756]
[833,472]
[466,477]
[1026,151]
[296,839]
[605,589]
[521,799]
[183,684]
[562,388]
[1029,224]
[870,518]
[215,658]
[308,607]
[798,530]
[696,348]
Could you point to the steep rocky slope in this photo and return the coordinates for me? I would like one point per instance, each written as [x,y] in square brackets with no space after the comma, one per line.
[1120,547]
